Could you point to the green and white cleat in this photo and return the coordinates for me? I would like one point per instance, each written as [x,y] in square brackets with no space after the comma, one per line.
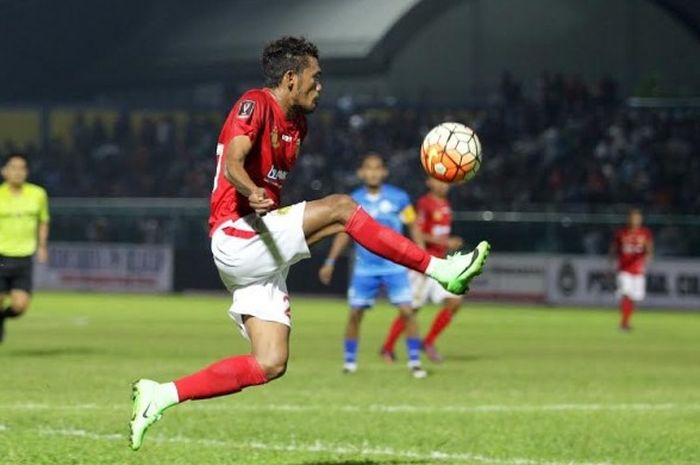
[456,271]
[145,412]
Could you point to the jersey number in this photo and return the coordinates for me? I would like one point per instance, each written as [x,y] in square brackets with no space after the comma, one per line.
[219,157]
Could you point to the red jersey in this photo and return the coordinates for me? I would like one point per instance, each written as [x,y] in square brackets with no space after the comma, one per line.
[276,141]
[435,219]
[631,246]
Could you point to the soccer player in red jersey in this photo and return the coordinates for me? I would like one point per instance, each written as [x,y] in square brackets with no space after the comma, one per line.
[254,241]
[434,219]
[633,247]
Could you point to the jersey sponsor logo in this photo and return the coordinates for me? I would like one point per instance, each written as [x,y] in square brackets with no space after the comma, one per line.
[277,174]
[386,207]
[246,108]
[441,230]
[630,248]
[286,137]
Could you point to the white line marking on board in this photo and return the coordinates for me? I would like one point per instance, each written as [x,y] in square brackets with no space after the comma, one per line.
[379,408]
[320,447]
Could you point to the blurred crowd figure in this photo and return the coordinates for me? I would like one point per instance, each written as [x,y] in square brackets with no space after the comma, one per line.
[564,144]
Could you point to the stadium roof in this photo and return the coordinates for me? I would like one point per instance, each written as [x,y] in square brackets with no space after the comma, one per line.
[67,48]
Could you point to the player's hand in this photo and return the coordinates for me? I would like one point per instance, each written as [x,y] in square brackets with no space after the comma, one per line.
[260,202]
[325,273]
[454,243]
[42,254]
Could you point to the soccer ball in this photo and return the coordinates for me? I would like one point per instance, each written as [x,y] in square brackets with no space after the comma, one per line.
[451,152]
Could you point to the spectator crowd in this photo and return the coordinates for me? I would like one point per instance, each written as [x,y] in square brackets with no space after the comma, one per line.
[564,144]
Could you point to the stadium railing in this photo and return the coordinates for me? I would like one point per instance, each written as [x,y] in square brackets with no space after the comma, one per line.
[182,223]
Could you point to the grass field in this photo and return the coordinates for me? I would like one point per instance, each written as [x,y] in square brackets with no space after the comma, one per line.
[520,386]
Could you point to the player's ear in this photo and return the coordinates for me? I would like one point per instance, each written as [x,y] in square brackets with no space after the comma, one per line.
[289,78]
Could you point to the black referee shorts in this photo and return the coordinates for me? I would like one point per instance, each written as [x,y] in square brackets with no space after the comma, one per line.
[15,273]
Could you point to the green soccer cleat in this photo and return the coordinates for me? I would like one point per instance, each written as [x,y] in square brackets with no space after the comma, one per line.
[146,410]
[458,269]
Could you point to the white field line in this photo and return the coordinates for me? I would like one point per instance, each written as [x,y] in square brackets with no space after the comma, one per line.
[378,408]
[3,428]
[319,447]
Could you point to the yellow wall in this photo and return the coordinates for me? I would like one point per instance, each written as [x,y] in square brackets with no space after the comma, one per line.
[19,126]
[61,122]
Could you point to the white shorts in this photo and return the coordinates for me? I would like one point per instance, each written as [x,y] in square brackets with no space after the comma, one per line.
[631,285]
[426,289]
[253,255]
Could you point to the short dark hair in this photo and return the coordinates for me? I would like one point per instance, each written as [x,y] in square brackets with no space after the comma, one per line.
[286,54]
[12,155]
[372,154]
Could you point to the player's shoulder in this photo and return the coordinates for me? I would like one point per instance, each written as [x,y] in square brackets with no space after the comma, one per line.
[34,189]
[358,193]
[257,95]
[424,199]
[647,231]
[393,191]
[250,101]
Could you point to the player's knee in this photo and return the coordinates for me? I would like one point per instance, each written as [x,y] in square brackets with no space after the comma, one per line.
[356,316]
[273,368]
[407,313]
[342,207]
[19,306]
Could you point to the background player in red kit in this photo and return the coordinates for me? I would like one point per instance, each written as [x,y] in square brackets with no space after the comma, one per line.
[633,247]
[434,220]
[254,242]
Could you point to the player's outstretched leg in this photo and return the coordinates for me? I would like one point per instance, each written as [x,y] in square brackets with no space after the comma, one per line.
[268,361]
[338,212]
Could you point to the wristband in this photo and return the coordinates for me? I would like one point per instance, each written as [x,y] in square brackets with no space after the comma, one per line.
[329,262]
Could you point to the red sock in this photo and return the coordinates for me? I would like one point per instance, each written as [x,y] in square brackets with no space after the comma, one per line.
[386,242]
[627,309]
[440,322]
[223,377]
[394,332]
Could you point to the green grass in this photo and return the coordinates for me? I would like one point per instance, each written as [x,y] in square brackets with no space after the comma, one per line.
[520,386]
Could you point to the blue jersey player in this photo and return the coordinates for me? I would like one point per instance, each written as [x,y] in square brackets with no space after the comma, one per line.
[392,207]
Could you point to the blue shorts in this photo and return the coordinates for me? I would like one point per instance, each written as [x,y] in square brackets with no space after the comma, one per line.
[364,289]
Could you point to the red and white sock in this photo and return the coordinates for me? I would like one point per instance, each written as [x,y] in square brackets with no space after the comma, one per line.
[386,242]
[397,327]
[226,376]
[441,321]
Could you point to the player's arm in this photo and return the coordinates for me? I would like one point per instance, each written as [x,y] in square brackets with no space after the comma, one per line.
[408,218]
[649,250]
[340,243]
[416,234]
[42,251]
[234,171]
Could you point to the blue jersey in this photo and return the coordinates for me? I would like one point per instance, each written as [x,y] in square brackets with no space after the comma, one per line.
[391,207]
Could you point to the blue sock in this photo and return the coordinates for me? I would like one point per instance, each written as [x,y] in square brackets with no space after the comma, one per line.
[350,350]
[413,349]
